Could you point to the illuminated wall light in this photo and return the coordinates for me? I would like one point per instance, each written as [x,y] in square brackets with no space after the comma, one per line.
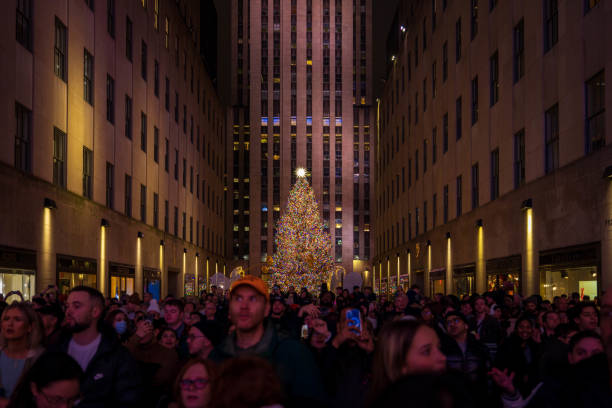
[480,259]
[428,270]
[398,271]
[196,285]
[207,276]
[529,272]
[47,273]
[102,269]
[388,278]
[181,288]
[138,281]
[161,269]
[449,265]
[409,266]
[49,203]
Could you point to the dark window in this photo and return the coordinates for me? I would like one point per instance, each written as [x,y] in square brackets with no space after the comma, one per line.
[60,50]
[434,145]
[445,133]
[459,195]
[128,195]
[551,119]
[156,144]
[143,60]
[155,210]
[128,117]
[143,132]
[551,24]
[424,156]
[458,40]
[416,165]
[23,138]
[184,226]
[88,66]
[156,79]
[110,99]
[444,61]
[494,79]
[494,174]
[24,23]
[59,158]
[166,217]
[474,100]
[519,158]
[492,4]
[110,17]
[595,112]
[128,38]
[143,203]
[167,156]
[458,117]
[176,164]
[176,107]
[474,19]
[110,185]
[167,95]
[475,186]
[87,172]
[445,204]
[519,51]
[176,221]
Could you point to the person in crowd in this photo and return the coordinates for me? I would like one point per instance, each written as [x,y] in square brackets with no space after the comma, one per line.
[153,310]
[119,321]
[167,338]
[52,381]
[210,310]
[586,316]
[249,305]
[585,381]
[133,305]
[465,354]
[111,376]
[405,347]
[173,315]
[485,326]
[519,353]
[20,345]
[192,388]
[158,364]
[203,337]
[550,321]
[245,382]
[51,317]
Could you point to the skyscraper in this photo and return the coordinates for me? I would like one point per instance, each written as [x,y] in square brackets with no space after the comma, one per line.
[301,97]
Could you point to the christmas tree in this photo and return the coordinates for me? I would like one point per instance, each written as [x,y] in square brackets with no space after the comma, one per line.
[303,257]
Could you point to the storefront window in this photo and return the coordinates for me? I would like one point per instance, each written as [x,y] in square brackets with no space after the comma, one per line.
[189,285]
[504,274]
[72,272]
[21,280]
[122,279]
[152,282]
[556,282]
[437,286]
[570,270]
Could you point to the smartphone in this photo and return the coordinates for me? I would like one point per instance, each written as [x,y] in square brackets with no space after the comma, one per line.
[353,318]
[304,331]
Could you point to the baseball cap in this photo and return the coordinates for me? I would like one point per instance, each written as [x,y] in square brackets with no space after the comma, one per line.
[254,282]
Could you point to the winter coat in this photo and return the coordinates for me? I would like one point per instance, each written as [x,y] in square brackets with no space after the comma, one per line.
[112,378]
[294,364]
[522,360]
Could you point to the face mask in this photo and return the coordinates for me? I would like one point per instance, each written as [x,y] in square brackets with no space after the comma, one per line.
[121,327]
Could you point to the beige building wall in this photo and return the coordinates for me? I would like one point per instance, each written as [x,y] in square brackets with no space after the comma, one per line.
[571,204]
[75,224]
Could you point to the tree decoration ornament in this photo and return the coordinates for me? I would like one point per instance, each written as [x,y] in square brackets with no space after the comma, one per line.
[304,250]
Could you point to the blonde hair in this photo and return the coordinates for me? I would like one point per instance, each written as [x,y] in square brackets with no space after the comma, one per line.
[35,336]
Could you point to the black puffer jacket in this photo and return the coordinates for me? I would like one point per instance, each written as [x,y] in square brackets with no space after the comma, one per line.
[112,378]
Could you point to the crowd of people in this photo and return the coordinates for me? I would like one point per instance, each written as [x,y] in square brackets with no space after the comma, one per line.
[250,346]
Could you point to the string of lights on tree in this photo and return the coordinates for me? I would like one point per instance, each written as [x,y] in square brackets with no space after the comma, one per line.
[304,252]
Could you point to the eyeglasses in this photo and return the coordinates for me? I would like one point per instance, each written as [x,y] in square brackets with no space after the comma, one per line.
[198,383]
[56,400]
[454,321]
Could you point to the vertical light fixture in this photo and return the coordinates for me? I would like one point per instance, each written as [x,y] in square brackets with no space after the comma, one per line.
[529,277]
[398,271]
[47,275]
[207,276]
[138,278]
[181,288]
[388,279]
[196,285]
[409,266]
[102,273]
[480,263]
[162,272]
[449,265]
[428,288]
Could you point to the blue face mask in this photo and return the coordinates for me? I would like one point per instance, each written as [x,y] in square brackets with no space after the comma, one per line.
[121,327]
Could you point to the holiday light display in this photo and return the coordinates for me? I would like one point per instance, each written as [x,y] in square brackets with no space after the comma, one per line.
[303,257]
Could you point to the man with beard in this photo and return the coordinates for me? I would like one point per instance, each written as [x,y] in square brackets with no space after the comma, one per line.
[111,377]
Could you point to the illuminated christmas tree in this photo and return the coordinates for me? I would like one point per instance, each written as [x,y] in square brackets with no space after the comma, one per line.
[304,252]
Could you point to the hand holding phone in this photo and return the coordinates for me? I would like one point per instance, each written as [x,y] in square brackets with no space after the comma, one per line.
[353,321]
